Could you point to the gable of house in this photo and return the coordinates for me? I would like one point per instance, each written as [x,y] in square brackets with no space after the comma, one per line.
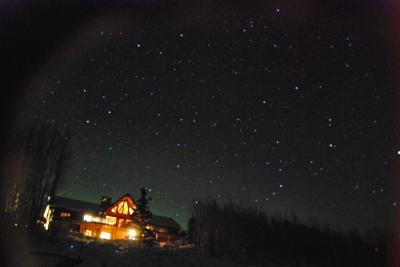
[123,207]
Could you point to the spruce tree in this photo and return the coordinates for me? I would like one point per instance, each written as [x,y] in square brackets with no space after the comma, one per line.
[192,230]
[143,206]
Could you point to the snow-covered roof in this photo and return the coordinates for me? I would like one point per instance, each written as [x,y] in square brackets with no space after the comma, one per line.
[164,221]
[75,205]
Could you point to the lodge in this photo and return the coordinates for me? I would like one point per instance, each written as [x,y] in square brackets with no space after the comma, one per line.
[106,220]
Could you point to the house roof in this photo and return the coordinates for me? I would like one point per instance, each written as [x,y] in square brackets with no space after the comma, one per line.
[75,205]
[164,222]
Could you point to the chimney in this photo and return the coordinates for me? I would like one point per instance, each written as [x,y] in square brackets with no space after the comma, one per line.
[105,201]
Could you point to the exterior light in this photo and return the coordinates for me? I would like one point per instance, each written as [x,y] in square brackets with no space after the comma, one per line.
[132,234]
[88,233]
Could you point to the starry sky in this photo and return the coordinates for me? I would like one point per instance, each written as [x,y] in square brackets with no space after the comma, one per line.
[286,106]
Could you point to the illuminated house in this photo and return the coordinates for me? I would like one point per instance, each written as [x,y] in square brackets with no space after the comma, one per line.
[106,220]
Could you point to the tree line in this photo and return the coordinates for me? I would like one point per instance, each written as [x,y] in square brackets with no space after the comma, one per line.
[248,236]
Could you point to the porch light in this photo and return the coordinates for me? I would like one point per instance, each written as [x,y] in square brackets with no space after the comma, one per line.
[88,233]
[132,234]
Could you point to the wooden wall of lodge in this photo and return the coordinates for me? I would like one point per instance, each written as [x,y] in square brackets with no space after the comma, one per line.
[96,228]
[166,237]
[165,234]
[162,234]
[117,233]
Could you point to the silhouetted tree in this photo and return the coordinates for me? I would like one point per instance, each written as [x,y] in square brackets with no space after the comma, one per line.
[254,238]
[36,166]
[143,206]
[192,230]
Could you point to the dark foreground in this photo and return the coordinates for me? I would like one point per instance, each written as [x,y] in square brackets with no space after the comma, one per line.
[70,252]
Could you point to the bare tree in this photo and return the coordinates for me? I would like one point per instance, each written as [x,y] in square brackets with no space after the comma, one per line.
[36,166]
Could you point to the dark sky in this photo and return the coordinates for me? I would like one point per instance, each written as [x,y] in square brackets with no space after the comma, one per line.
[284,106]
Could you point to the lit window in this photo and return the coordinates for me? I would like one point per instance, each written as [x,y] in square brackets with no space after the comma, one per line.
[47,216]
[162,230]
[87,218]
[88,233]
[123,207]
[110,220]
[126,208]
[47,212]
[105,235]
[65,214]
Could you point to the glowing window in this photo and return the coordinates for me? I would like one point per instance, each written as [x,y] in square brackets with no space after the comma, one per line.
[87,218]
[65,214]
[120,207]
[123,207]
[130,211]
[162,230]
[47,212]
[47,216]
[105,235]
[110,220]
[126,208]
[88,233]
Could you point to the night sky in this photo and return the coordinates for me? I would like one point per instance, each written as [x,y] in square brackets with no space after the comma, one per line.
[287,106]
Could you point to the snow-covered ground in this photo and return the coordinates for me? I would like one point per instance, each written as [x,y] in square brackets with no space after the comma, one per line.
[78,253]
